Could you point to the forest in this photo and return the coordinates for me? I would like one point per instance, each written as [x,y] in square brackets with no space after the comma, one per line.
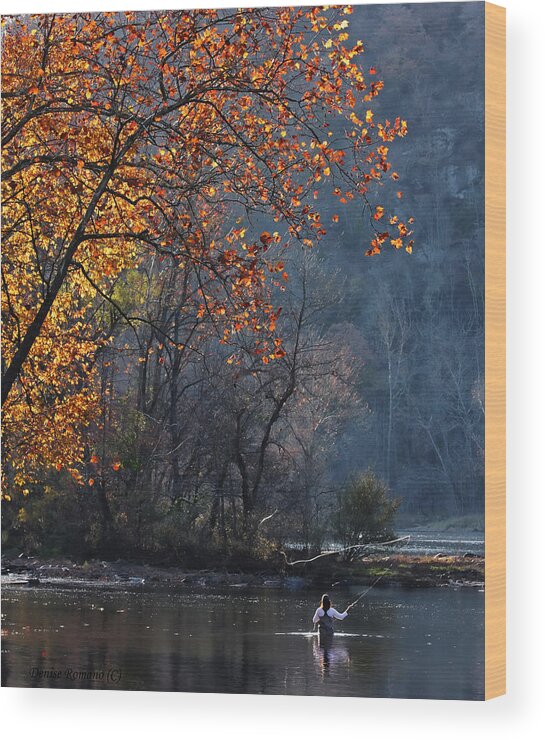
[242,280]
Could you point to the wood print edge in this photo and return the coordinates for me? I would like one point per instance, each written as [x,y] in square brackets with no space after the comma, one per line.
[495,563]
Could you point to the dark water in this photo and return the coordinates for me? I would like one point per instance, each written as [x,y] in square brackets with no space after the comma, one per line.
[419,643]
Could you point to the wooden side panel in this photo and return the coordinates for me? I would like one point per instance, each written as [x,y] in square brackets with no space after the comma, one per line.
[494,350]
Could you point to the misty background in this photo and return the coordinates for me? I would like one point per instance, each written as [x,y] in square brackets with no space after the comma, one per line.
[421,316]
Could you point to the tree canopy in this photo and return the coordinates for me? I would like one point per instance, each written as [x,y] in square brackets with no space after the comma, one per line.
[134,139]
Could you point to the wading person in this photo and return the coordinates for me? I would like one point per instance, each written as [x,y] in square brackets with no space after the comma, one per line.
[324,617]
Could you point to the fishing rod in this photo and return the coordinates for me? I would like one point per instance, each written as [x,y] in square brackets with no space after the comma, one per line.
[388,569]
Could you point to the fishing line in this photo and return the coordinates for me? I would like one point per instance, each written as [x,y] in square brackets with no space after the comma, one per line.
[406,538]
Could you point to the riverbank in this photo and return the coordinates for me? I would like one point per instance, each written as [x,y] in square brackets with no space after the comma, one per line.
[396,569]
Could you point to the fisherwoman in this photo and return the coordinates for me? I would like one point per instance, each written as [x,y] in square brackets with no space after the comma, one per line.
[324,617]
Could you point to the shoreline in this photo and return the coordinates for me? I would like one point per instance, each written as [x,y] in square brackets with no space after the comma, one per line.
[410,571]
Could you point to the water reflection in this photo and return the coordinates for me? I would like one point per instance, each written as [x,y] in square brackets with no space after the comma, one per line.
[331,658]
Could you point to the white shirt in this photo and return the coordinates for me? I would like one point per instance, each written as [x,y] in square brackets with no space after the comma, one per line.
[331,612]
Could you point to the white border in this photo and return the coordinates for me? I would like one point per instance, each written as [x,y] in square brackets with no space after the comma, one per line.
[81,715]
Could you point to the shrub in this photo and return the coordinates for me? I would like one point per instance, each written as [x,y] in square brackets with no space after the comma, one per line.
[365,512]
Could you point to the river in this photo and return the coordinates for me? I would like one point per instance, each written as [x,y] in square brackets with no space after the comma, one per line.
[413,643]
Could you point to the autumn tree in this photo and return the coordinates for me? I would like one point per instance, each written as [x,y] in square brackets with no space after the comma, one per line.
[135,136]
